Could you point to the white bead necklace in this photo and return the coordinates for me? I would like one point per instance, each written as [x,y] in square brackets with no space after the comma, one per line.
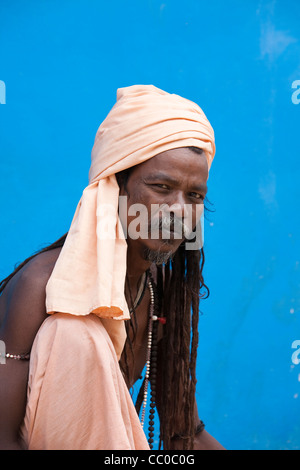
[149,345]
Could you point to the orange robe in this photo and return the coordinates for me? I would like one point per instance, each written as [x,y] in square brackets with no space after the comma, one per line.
[77,397]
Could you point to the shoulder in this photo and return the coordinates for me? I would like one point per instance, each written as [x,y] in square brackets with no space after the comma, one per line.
[23,302]
[29,284]
[39,268]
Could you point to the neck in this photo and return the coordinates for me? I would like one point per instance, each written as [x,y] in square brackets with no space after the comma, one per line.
[136,265]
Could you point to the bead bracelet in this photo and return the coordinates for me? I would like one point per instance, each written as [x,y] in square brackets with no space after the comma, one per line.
[17,357]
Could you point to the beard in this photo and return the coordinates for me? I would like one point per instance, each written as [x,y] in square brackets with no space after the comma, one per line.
[158,257]
[168,228]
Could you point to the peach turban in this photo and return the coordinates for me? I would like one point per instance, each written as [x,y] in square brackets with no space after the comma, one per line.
[89,275]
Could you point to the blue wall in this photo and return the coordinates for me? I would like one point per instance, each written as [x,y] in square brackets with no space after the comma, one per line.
[61,63]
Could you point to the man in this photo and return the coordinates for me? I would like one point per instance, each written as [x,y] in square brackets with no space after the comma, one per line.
[93,308]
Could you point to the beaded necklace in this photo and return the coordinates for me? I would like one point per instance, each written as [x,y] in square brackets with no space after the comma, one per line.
[151,364]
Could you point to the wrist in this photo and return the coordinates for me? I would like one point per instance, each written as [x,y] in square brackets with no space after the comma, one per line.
[200,427]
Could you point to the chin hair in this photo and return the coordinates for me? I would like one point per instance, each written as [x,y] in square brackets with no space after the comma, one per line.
[158,257]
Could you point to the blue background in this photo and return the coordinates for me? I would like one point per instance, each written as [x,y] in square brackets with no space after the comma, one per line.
[62,62]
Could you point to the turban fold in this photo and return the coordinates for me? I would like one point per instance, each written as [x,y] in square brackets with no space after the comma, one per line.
[89,275]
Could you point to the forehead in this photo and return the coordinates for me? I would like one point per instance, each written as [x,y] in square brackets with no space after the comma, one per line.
[181,162]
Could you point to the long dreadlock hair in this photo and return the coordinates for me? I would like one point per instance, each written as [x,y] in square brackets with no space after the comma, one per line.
[179,296]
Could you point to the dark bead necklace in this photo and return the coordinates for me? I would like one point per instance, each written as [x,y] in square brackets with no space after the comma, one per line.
[151,362]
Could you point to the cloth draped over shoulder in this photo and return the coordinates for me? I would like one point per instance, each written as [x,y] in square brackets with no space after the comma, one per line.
[89,275]
[77,396]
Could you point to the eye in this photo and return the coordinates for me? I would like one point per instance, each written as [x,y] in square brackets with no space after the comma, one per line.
[161,186]
[197,196]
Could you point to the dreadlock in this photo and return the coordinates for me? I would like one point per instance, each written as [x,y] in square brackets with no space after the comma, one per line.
[183,284]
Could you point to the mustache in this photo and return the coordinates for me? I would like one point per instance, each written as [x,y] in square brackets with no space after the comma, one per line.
[169,223]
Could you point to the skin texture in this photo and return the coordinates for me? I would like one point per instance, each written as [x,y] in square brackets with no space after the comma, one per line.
[175,177]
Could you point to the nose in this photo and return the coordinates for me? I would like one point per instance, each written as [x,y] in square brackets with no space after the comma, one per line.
[182,209]
[176,206]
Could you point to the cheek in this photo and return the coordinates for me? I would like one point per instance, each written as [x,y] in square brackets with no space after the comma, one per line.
[134,213]
[138,199]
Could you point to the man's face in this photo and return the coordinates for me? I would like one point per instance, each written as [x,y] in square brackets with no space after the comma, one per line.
[173,182]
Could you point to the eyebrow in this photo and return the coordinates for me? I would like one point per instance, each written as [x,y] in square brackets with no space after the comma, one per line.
[165,177]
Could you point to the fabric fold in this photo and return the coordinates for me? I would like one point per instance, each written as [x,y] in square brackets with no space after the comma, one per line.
[77,397]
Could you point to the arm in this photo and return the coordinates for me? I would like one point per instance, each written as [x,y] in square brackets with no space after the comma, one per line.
[13,382]
[203,440]
[22,307]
